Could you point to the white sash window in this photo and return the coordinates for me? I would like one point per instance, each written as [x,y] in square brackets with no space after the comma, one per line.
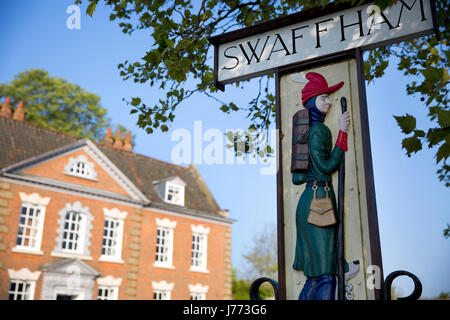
[198,291]
[162,290]
[164,243]
[113,235]
[19,290]
[199,248]
[22,284]
[108,288]
[31,223]
[74,232]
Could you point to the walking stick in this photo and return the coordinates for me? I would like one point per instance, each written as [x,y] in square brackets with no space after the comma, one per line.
[340,231]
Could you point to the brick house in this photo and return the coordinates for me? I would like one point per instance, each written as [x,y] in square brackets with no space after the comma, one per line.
[85,220]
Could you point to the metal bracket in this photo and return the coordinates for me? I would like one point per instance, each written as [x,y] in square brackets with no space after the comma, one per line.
[415,295]
[254,288]
[349,291]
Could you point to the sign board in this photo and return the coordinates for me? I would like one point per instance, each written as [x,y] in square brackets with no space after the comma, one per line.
[261,49]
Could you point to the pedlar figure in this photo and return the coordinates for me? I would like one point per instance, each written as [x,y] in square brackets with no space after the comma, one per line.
[315,252]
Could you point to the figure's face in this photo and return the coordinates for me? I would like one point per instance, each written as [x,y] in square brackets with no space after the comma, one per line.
[323,103]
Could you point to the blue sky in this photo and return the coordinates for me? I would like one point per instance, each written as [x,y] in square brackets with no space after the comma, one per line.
[413,206]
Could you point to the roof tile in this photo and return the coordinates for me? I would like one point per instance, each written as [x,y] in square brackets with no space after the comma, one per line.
[20,141]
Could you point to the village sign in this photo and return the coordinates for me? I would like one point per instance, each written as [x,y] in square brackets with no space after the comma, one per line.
[261,50]
[306,51]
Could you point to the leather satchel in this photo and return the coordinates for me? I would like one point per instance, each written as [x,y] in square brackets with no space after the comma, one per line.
[321,212]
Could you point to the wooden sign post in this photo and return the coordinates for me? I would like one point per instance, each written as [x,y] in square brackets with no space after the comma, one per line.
[328,41]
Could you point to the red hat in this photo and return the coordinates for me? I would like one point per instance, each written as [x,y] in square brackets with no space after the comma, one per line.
[317,85]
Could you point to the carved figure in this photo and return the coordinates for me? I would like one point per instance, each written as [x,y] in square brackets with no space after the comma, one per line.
[315,252]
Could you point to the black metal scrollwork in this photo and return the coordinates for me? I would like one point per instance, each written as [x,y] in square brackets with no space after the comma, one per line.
[415,295]
[254,288]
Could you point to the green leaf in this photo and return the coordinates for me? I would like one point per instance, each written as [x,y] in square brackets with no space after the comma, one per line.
[406,123]
[419,133]
[412,145]
[436,135]
[383,4]
[432,74]
[443,117]
[233,106]
[135,101]
[443,152]
[91,8]
[447,54]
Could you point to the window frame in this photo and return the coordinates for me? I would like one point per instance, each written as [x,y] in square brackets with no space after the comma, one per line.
[176,190]
[167,247]
[168,227]
[109,283]
[202,233]
[36,202]
[180,193]
[28,287]
[83,251]
[162,288]
[24,277]
[198,291]
[70,168]
[197,296]
[81,234]
[198,251]
[113,292]
[111,246]
[163,294]
[116,216]
[164,186]
[24,228]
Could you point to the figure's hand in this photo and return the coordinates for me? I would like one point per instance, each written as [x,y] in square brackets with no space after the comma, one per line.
[344,121]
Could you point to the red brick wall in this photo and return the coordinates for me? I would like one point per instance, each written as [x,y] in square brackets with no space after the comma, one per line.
[181,276]
[54,169]
[138,251]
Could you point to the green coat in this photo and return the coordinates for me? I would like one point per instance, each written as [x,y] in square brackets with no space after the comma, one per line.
[315,252]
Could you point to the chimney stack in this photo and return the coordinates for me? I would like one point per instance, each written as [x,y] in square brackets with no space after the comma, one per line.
[118,143]
[19,113]
[108,139]
[5,112]
[128,146]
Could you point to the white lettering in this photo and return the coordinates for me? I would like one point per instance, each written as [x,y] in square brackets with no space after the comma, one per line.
[241,147]
[213,153]
[200,310]
[74,281]
[373,277]
[361,26]
[181,153]
[74,20]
